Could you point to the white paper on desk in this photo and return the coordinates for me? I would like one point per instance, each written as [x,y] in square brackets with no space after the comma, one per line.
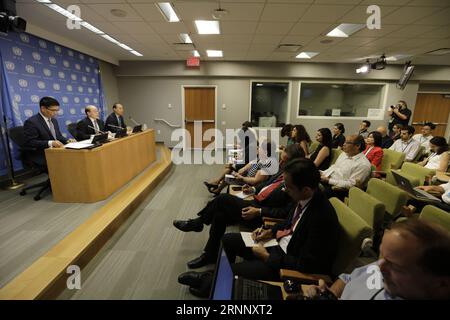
[230,179]
[78,145]
[243,195]
[249,242]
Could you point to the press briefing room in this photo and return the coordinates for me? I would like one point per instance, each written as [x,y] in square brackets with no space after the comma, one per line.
[250,152]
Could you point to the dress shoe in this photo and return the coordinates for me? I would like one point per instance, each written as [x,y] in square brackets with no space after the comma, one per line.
[188,225]
[205,288]
[201,261]
[194,279]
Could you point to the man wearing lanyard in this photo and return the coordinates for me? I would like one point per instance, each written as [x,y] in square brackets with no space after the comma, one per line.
[406,144]
[414,264]
[307,240]
[425,137]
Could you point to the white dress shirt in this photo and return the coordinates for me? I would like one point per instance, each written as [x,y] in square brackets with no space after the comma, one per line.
[424,141]
[284,242]
[446,195]
[409,148]
[46,122]
[347,170]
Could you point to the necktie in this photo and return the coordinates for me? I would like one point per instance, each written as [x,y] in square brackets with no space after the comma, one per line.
[267,191]
[119,121]
[52,128]
[96,126]
[283,233]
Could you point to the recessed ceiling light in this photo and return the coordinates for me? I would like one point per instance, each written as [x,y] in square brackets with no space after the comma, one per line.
[306,55]
[207,27]
[136,53]
[185,38]
[167,11]
[398,57]
[118,13]
[345,30]
[91,27]
[214,53]
[195,53]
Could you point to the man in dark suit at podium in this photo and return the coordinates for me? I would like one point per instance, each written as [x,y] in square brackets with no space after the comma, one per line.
[90,125]
[115,119]
[41,131]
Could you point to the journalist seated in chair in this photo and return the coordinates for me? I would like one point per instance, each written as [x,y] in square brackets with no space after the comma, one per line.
[322,155]
[439,158]
[41,131]
[91,124]
[414,264]
[253,173]
[386,141]
[351,168]
[115,120]
[374,152]
[442,191]
[270,200]
[406,144]
[306,240]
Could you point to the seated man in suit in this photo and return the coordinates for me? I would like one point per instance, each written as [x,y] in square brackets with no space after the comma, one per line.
[91,124]
[42,131]
[307,240]
[270,200]
[351,167]
[115,119]
[414,264]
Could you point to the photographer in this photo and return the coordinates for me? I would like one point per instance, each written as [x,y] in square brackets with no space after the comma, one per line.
[400,114]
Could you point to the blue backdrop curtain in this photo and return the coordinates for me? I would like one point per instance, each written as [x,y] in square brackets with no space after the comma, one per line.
[32,68]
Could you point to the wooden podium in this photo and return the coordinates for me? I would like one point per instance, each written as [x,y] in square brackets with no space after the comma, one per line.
[87,176]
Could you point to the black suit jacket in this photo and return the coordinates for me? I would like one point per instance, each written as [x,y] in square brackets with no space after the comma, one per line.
[112,119]
[37,135]
[84,131]
[313,246]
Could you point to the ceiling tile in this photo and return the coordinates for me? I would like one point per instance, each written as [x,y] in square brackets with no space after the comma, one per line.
[228,27]
[148,11]
[440,18]
[134,27]
[310,29]
[385,29]
[274,28]
[263,39]
[283,12]
[325,13]
[407,15]
[105,11]
[169,27]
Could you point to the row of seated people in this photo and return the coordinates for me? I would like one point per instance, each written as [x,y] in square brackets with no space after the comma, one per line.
[228,210]
[307,241]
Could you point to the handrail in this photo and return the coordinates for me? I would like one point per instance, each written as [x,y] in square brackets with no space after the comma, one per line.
[169,124]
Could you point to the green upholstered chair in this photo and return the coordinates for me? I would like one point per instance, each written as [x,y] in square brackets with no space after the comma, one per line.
[352,237]
[436,215]
[392,160]
[393,197]
[313,146]
[415,173]
[335,153]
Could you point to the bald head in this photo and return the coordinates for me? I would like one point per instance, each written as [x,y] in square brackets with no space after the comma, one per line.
[382,130]
[91,111]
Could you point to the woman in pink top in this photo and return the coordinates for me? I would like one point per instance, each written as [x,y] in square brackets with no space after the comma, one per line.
[373,151]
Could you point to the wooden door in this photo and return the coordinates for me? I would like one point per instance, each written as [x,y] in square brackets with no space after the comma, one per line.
[431,107]
[200,107]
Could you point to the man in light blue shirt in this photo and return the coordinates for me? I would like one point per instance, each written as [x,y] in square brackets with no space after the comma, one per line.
[414,264]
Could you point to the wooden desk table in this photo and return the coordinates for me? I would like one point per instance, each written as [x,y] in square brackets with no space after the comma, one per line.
[86,176]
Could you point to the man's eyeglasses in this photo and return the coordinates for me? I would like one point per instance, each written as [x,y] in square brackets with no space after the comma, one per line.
[53,110]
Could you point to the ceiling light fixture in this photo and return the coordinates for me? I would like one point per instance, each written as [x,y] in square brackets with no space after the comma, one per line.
[214,53]
[219,13]
[195,53]
[167,11]
[207,27]
[307,55]
[185,38]
[344,30]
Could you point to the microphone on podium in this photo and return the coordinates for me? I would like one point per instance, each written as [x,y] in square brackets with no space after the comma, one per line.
[117,127]
[133,120]
[96,130]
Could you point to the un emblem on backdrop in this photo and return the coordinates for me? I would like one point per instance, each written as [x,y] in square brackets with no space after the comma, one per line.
[95,100]
[47,72]
[17,51]
[42,44]
[77,66]
[84,79]
[73,77]
[10,65]
[86,100]
[68,121]
[77,100]
[41,84]
[34,98]
[58,49]
[23,83]
[17,97]
[72,111]
[61,75]
[29,69]
[52,60]
[66,64]
[91,60]
[70,53]
[88,69]
[93,80]
[36,56]
[24,38]
[65,99]
[28,113]
[81,56]
[56,86]
[69,88]
[90,90]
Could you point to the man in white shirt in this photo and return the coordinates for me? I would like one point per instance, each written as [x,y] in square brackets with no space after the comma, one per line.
[415,264]
[351,168]
[91,124]
[425,137]
[406,144]
[443,190]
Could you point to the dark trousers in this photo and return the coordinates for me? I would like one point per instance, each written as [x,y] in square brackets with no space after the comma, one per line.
[252,267]
[338,193]
[223,211]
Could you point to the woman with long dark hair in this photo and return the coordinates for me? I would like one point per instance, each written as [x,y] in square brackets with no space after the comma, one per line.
[301,137]
[322,155]
[439,158]
[338,136]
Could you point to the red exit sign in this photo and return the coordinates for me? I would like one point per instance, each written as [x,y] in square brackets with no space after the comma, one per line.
[193,62]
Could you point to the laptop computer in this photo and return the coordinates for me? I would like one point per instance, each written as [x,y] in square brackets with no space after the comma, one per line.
[137,128]
[227,286]
[121,133]
[405,184]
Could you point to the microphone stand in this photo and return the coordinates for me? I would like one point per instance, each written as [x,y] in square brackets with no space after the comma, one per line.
[13,184]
